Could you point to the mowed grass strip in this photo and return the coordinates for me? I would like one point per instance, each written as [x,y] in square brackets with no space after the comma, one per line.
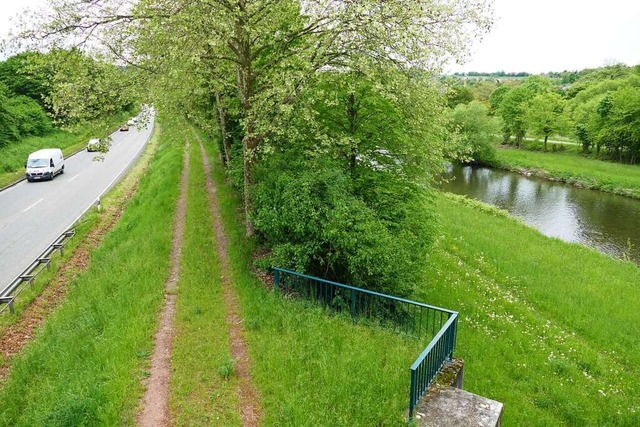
[203,386]
[313,368]
[575,169]
[547,327]
[84,366]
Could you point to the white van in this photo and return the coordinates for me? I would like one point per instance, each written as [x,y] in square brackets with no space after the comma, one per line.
[44,164]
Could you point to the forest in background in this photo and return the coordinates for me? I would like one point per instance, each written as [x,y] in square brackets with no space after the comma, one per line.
[599,108]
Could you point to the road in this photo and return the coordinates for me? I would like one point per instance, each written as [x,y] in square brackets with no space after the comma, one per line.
[34,214]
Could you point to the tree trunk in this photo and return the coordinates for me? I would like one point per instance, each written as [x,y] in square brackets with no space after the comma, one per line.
[546,137]
[249,144]
[222,117]
[519,139]
[352,113]
[245,82]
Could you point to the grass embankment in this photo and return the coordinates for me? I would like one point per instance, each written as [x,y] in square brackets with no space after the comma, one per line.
[311,368]
[546,327]
[14,156]
[574,169]
[85,365]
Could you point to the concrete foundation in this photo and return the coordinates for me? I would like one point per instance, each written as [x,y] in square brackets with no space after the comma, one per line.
[453,407]
[447,405]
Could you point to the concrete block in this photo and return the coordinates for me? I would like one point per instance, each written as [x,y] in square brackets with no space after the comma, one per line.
[453,407]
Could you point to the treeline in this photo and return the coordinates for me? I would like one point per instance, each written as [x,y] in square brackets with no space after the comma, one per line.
[42,92]
[600,109]
[495,74]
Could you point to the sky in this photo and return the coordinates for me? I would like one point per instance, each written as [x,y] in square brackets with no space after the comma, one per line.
[535,36]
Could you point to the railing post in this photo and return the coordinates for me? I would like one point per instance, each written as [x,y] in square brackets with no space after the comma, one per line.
[353,304]
[276,280]
[412,394]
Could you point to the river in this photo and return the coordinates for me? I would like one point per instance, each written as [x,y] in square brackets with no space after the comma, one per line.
[606,222]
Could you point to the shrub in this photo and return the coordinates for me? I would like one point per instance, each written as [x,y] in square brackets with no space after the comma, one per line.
[29,116]
[313,220]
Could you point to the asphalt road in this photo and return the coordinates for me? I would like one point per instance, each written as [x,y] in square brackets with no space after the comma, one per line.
[34,214]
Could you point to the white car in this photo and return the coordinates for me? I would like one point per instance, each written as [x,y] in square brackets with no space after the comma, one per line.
[44,164]
[131,122]
[94,144]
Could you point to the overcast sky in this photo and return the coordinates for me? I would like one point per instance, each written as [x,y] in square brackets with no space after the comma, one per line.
[533,36]
[555,35]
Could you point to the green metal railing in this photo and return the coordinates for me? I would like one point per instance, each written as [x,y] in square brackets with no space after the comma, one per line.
[434,324]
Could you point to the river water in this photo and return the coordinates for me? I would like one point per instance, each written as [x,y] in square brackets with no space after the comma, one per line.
[606,222]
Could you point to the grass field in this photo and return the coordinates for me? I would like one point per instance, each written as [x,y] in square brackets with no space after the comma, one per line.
[574,169]
[14,156]
[546,327]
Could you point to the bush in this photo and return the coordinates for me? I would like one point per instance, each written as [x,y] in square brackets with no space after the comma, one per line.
[312,219]
[29,116]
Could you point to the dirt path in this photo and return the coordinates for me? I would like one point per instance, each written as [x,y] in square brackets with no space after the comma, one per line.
[248,396]
[154,407]
[16,336]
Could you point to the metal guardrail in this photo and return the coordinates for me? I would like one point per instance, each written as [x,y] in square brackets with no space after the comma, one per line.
[426,367]
[28,275]
[415,319]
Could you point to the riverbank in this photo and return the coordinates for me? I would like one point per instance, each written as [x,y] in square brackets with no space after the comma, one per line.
[573,169]
[544,325]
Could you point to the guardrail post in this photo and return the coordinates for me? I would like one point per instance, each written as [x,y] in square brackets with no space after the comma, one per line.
[59,246]
[46,261]
[27,278]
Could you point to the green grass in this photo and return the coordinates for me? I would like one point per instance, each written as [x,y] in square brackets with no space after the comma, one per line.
[546,327]
[203,387]
[312,368]
[84,365]
[575,169]
[14,156]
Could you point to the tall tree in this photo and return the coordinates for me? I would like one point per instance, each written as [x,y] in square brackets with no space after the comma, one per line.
[545,115]
[512,106]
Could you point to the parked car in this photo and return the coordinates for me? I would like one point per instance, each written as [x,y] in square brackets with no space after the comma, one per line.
[94,144]
[124,128]
[44,164]
[131,122]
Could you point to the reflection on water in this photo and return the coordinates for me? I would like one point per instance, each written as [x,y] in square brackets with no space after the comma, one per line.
[606,222]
